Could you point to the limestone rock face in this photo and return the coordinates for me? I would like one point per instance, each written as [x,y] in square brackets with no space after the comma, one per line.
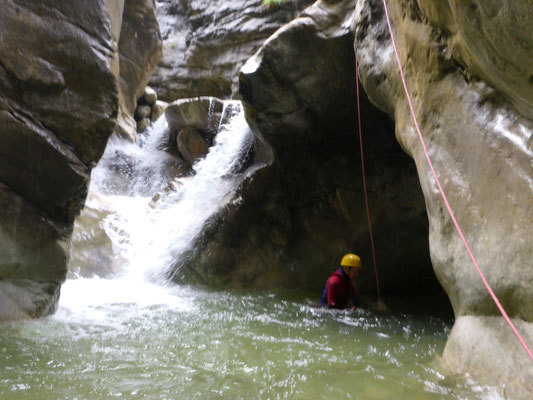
[304,209]
[206,42]
[140,49]
[58,105]
[59,101]
[493,39]
[91,249]
[481,149]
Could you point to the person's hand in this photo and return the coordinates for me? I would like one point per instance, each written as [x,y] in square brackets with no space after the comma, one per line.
[382,306]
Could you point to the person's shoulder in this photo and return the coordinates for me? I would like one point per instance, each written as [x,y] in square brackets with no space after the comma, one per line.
[334,279]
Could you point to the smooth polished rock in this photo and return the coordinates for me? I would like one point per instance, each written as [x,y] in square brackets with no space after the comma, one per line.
[149,96]
[203,113]
[142,112]
[158,110]
[485,346]
[191,144]
[59,104]
[479,144]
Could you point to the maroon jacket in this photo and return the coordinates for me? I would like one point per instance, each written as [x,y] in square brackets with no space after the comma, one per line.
[338,291]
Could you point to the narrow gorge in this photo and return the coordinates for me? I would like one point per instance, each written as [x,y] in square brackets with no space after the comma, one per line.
[178,179]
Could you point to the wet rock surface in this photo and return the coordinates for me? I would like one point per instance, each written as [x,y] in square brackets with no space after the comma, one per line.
[305,208]
[158,110]
[91,249]
[148,109]
[140,49]
[193,124]
[202,113]
[479,144]
[206,42]
[191,144]
[59,104]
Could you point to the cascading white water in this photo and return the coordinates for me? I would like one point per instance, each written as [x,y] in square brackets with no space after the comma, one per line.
[152,234]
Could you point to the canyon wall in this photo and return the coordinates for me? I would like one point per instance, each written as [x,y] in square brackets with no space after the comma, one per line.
[467,69]
[62,74]
[206,42]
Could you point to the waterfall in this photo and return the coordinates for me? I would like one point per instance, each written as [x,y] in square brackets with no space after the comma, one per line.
[153,221]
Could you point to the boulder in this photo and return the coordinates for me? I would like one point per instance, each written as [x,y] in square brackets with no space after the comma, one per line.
[158,110]
[465,66]
[191,144]
[149,96]
[206,42]
[143,124]
[142,112]
[203,113]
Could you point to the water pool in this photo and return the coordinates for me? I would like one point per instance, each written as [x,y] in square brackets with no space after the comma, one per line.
[134,340]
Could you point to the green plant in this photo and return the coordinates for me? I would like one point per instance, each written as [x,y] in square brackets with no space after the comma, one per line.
[269,3]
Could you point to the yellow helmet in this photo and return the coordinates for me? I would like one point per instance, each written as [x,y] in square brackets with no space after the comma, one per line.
[351,260]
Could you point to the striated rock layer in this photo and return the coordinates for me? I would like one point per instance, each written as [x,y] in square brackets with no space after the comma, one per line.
[58,105]
[206,42]
[466,65]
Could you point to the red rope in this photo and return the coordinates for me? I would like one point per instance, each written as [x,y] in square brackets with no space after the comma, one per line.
[364,178]
[485,282]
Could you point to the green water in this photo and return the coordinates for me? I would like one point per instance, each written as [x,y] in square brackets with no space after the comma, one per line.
[119,339]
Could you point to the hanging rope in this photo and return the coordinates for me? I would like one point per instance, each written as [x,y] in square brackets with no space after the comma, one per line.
[445,199]
[364,179]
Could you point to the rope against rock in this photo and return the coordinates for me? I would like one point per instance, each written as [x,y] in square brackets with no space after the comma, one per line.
[445,199]
[364,179]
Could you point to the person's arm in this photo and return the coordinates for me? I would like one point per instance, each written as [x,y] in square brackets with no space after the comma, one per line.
[333,287]
[355,299]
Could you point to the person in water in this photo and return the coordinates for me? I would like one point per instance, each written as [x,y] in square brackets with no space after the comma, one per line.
[339,290]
